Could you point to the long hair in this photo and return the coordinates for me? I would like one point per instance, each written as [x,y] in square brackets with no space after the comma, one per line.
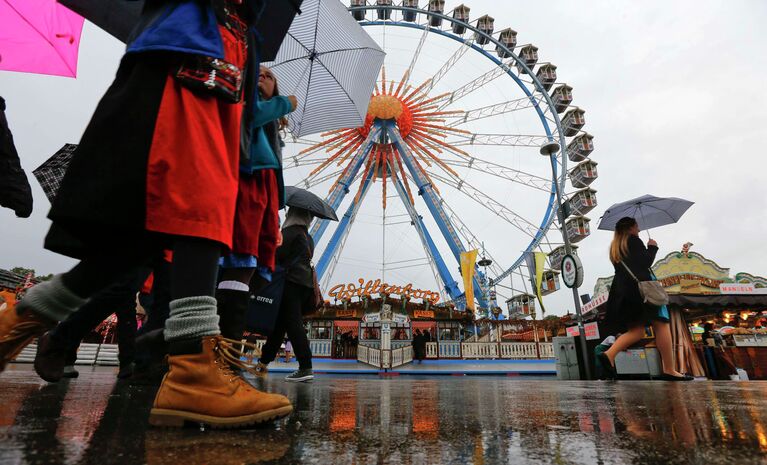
[619,247]
[282,123]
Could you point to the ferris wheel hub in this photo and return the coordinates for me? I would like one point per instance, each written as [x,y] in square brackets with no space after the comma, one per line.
[385,107]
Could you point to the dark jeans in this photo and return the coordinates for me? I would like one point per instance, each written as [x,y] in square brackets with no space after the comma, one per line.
[290,321]
[119,298]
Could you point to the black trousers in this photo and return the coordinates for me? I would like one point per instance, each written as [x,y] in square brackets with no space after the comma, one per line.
[290,321]
[119,298]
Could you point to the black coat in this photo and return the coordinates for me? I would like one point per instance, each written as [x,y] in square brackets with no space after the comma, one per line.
[295,255]
[625,308]
[15,193]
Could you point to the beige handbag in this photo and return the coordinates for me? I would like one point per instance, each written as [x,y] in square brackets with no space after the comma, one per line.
[652,292]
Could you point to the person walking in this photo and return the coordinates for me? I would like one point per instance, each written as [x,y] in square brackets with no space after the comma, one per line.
[626,310]
[260,196]
[56,347]
[418,345]
[295,257]
[170,121]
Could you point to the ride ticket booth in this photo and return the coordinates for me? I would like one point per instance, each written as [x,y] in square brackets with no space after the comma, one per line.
[345,339]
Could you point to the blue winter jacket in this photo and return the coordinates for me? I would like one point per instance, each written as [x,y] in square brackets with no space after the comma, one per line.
[166,25]
[265,153]
[262,155]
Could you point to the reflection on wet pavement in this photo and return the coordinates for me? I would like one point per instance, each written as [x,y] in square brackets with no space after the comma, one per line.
[340,420]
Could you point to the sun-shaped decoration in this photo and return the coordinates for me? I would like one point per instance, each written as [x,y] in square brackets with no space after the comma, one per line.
[419,123]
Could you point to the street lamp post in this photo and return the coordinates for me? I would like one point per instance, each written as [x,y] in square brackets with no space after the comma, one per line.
[550,150]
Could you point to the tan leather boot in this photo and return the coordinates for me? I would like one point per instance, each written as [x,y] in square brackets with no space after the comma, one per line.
[17,331]
[202,388]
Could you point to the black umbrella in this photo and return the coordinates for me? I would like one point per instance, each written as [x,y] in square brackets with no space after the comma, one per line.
[118,17]
[302,198]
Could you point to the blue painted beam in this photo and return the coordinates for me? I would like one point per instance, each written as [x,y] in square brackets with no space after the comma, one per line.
[342,187]
[449,283]
[343,225]
[426,191]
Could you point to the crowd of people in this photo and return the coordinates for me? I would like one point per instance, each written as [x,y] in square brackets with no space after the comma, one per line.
[189,102]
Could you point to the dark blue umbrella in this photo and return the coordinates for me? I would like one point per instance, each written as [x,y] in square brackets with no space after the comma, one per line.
[302,198]
[648,210]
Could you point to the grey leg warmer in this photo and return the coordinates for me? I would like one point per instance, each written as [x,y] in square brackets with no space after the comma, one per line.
[192,317]
[51,299]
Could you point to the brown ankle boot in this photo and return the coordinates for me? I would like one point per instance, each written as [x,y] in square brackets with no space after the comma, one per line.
[200,387]
[17,331]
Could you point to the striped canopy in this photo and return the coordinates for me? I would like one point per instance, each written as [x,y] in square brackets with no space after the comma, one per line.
[330,64]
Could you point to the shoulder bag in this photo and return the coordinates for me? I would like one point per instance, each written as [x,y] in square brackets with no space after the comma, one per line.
[651,291]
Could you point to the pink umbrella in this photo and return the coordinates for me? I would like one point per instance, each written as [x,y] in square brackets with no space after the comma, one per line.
[39,36]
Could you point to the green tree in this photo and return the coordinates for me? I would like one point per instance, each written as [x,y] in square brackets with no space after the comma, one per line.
[20,270]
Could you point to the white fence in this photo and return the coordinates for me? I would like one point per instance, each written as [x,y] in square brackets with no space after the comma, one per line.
[547,349]
[518,350]
[432,351]
[384,358]
[320,347]
[401,356]
[479,350]
[505,350]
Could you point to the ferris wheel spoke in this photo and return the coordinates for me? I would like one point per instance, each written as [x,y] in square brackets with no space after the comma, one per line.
[302,140]
[469,237]
[515,140]
[502,211]
[497,109]
[503,172]
[414,59]
[449,64]
[477,83]
[311,181]
[292,162]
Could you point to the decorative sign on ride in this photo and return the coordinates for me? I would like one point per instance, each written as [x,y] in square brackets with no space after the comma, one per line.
[677,279]
[369,288]
[345,313]
[741,288]
[595,302]
[400,319]
[572,271]
[423,314]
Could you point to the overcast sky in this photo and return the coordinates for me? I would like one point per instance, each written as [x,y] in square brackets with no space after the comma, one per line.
[674,95]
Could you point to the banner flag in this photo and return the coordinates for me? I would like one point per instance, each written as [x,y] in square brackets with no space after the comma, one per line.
[540,264]
[468,259]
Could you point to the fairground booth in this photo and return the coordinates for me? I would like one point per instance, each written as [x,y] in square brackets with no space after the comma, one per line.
[718,319]
[357,317]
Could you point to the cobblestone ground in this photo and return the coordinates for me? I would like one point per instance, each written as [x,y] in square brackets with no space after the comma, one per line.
[368,419]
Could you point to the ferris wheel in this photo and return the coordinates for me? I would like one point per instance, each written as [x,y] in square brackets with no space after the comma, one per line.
[453,141]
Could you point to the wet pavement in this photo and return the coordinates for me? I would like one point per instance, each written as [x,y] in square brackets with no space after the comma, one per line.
[401,419]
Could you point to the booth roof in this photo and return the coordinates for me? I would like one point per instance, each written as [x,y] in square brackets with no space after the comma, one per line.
[718,302]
